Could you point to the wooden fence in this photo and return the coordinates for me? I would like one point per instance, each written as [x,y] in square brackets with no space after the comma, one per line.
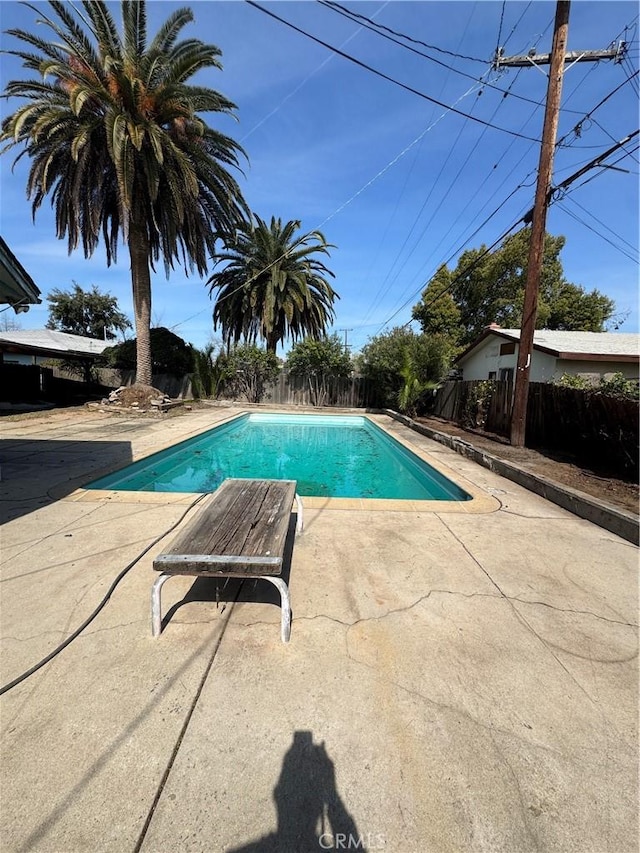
[354,392]
[485,404]
[351,393]
[597,430]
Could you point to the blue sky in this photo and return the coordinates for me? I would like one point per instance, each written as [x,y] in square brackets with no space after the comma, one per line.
[397,183]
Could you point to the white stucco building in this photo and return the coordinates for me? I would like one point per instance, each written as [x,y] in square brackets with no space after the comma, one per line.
[593,355]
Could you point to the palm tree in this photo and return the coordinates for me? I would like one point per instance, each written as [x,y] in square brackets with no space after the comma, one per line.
[113,133]
[271,287]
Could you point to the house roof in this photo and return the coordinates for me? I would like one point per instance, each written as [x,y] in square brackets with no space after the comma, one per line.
[575,346]
[17,288]
[50,343]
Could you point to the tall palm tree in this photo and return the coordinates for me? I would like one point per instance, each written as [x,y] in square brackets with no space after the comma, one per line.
[271,286]
[113,133]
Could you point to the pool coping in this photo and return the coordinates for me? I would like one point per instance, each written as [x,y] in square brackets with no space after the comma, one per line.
[480,501]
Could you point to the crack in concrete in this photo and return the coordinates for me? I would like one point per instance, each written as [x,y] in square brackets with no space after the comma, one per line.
[523,621]
[536,517]
[571,610]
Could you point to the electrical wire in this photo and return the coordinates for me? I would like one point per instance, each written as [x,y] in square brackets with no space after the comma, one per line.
[600,222]
[300,85]
[595,231]
[338,209]
[402,35]
[447,193]
[379,293]
[504,3]
[495,243]
[381,290]
[335,7]
[478,189]
[517,23]
[589,116]
[29,672]
[457,278]
[384,76]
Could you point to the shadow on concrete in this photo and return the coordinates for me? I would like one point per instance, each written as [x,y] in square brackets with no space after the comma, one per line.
[224,591]
[35,473]
[311,814]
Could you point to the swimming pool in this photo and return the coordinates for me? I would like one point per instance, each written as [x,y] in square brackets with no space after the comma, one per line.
[335,456]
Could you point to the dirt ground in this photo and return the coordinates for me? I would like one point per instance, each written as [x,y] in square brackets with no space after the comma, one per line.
[619,493]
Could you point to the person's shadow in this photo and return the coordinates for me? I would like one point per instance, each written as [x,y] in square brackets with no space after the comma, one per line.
[311,815]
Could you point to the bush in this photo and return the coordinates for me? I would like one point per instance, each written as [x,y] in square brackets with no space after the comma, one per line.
[247,369]
[169,354]
[319,362]
[385,358]
[616,386]
[210,371]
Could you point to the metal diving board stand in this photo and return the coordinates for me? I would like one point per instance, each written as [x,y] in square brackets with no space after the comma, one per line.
[240,531]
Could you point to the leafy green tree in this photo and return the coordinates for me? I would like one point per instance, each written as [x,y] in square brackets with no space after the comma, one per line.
[249,369]
[271,287]
[169,354]
[571,309]
[114,135]
[437,312]
[319,361]
[86,312]
[489,288]
[384,359]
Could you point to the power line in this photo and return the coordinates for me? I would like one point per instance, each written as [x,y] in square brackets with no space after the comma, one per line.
[386,76]
[335,7]
[517,24]
[525,218]
[343,9]
[504,3]
[577,130]
[620,249]
[460,275]
[295,91]
[381,289]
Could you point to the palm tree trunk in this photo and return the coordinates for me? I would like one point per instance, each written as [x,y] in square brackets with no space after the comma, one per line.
[141,283]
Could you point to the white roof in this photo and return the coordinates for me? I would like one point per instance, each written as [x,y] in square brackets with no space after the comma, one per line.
[46,339]
[587,343]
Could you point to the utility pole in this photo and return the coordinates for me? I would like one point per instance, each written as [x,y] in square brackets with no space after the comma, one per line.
[346,331]
[538,225]
[557,60]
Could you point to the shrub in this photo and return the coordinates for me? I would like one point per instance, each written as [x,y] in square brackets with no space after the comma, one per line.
[247,369]
[169,354]
[319,362]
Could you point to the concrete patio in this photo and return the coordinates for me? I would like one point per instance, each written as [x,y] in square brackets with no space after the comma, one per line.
[455,681]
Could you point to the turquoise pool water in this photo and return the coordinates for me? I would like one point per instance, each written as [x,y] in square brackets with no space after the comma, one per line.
[346,457]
